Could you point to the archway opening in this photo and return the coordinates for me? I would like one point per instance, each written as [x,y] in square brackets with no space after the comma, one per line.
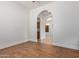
[44,20]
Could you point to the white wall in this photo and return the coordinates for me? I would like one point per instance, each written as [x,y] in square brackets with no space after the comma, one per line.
[13,24]
[65,23]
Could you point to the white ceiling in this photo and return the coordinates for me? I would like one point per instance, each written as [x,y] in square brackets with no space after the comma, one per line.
[32,5]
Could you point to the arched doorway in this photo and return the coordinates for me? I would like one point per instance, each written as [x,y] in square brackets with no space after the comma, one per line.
[43,26]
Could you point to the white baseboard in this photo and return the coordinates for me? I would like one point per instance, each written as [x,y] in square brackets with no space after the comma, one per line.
[71,46]
[12,44]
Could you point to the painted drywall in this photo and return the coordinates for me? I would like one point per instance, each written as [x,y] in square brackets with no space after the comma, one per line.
[13,24]
[65,31]
[66,24]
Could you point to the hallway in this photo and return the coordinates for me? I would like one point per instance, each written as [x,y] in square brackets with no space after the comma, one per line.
[33,49]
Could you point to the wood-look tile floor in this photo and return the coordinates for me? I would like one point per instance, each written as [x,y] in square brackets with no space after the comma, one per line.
[33,49]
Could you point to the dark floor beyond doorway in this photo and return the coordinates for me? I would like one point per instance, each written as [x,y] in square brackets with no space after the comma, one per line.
[33,49]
